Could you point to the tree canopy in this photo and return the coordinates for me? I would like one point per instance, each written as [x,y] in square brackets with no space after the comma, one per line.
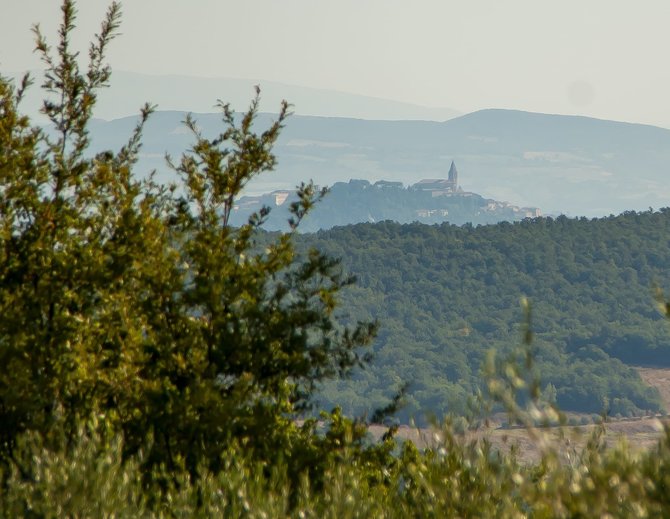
[138,305]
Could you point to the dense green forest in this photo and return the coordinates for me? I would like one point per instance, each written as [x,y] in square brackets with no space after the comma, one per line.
[445,295]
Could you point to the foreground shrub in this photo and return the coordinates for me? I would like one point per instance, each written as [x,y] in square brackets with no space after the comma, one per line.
[456,477]
[138,304]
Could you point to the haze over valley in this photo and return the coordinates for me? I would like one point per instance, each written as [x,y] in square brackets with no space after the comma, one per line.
[570,165]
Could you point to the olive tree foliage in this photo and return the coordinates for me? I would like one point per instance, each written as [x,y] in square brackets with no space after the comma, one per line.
[136,305]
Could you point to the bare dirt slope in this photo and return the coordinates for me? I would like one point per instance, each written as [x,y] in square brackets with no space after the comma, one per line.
[660,379]
[639,432]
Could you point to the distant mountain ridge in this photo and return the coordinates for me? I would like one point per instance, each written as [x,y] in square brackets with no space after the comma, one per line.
[562,164]
[130,90]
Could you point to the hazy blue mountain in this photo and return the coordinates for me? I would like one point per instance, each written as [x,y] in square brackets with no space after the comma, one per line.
[129,91]
[562,164]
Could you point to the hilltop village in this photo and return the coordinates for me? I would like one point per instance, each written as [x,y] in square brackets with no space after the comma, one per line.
[431,200]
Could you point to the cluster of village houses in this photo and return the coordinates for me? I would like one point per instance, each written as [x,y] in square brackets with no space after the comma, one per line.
[438,187]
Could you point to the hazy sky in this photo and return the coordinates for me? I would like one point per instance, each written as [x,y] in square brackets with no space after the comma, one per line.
[602,58]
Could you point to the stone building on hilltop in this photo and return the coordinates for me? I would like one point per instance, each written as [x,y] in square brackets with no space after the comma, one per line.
[440,186]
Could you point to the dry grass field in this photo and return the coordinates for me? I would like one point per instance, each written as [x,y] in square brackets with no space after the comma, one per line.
[641,433]
[638,432]
[660,379]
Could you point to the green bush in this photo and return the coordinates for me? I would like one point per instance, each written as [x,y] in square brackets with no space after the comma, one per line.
[138,304]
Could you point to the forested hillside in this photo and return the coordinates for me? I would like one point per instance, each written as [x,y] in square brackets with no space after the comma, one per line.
[445,295]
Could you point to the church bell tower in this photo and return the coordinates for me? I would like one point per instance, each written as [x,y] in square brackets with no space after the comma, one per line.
[453,177]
